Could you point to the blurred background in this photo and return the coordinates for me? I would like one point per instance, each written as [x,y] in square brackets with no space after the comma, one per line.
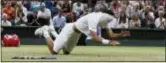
[145,19]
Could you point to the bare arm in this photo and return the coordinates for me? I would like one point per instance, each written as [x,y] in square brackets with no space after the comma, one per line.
[95,37]
[99,39]
[113,35]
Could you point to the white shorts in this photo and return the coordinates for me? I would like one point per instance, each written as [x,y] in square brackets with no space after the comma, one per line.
[67,39]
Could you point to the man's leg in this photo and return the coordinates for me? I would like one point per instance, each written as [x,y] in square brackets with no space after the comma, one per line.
[44,31]
[72,39]
[56,45]
[49,42]
[71,43]
[67,39]
[62,38]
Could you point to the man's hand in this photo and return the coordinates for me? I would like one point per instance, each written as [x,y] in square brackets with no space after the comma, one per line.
[114,42]
[125,33]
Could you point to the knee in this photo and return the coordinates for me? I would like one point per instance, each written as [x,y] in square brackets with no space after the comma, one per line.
[66,52]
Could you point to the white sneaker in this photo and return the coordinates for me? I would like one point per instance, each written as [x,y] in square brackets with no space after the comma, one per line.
[39,32]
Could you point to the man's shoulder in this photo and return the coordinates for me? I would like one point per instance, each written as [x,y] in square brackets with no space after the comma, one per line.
[107,16]
[92,14]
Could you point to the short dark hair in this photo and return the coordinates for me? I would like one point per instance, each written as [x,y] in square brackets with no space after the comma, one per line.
[100,8]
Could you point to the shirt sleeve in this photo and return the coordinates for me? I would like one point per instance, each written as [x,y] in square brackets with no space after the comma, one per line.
[92,24]
[109,18]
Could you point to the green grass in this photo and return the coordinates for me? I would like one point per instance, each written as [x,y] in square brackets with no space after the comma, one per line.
[88,53]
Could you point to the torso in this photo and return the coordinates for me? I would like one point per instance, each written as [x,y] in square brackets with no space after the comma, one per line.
[92,20]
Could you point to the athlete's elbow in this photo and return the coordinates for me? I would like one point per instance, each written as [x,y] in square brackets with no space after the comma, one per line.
[95,37]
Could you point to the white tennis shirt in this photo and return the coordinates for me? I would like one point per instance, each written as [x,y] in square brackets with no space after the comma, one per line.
[92,21]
